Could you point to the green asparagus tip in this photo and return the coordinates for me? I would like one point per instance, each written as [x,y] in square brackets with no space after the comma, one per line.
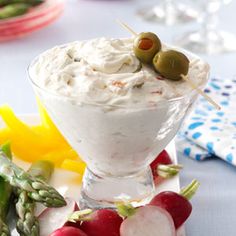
[6,149]
[37,189]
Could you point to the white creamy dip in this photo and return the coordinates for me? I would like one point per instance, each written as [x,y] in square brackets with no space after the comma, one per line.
[106,71]
[123,139]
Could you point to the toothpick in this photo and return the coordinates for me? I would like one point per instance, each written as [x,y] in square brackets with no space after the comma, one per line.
[125,26]
[194,86]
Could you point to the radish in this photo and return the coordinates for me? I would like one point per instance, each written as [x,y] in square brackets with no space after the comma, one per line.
[68,231]
[54,218]
[162,167]
[148,221]
[177,205]
[102,222]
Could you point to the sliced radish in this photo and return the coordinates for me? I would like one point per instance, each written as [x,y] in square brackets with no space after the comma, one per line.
[68,231]
[54,218]
[102,222]
[163,168]
[148,221]
[178,206]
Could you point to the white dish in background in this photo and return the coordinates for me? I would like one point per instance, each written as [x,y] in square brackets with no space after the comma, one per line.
[66,182]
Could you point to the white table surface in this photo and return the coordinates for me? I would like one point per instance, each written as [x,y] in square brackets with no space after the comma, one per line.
[214,211]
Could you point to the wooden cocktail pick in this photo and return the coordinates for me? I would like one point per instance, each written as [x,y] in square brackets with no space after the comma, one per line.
[194,86]
[184,77]
[126,27]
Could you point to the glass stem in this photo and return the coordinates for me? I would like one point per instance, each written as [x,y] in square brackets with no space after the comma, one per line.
[210,19]
[168,4]
[169,9]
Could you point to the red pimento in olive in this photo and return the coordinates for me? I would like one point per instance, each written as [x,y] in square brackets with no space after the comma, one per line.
[146,45]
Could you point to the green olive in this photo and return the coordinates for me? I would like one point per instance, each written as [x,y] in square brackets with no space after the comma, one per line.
[146,45]
[171,64]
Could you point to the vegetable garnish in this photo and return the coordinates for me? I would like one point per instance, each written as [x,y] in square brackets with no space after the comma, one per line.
[27,222]
[172,60]
[101,222]
[52,219]
[171,64]
[44,140]
[177,204]
[163,168]
[13,8]
[149,221]
[5,194]
[68,231]
[146,45]
[37,189]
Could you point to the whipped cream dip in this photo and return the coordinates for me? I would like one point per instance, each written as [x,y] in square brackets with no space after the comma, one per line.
[117,113]
[106,71]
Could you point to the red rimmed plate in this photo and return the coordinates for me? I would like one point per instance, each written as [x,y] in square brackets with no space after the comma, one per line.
[36,19]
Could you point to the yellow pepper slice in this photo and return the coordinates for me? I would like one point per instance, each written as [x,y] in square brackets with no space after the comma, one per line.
[4,135]
[59,155]
[75,166]
[20,129]
[25,151]
[39,142]
[53,141]
[47,122]
[31,138]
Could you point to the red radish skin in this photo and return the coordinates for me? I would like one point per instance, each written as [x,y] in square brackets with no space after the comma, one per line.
[68,231]
[73,224]
[148,221]
[104,222]
[164,159]
[178,206]
[54,218]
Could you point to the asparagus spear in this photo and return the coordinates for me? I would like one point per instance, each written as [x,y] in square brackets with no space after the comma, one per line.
[37,189]
[12,10]
[5,194]
[27,224]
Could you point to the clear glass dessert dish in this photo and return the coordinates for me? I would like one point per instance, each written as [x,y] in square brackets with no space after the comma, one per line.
[117,142]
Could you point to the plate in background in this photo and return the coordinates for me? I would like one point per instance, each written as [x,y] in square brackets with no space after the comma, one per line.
[37,18]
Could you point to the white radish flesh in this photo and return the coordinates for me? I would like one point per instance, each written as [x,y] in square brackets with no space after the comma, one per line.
[148,221]
[54,218]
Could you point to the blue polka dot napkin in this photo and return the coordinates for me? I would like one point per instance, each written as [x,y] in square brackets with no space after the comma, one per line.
[207,132]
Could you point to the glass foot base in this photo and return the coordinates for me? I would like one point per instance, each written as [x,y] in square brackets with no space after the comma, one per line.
[169,14]
[104,192]
[212,42]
